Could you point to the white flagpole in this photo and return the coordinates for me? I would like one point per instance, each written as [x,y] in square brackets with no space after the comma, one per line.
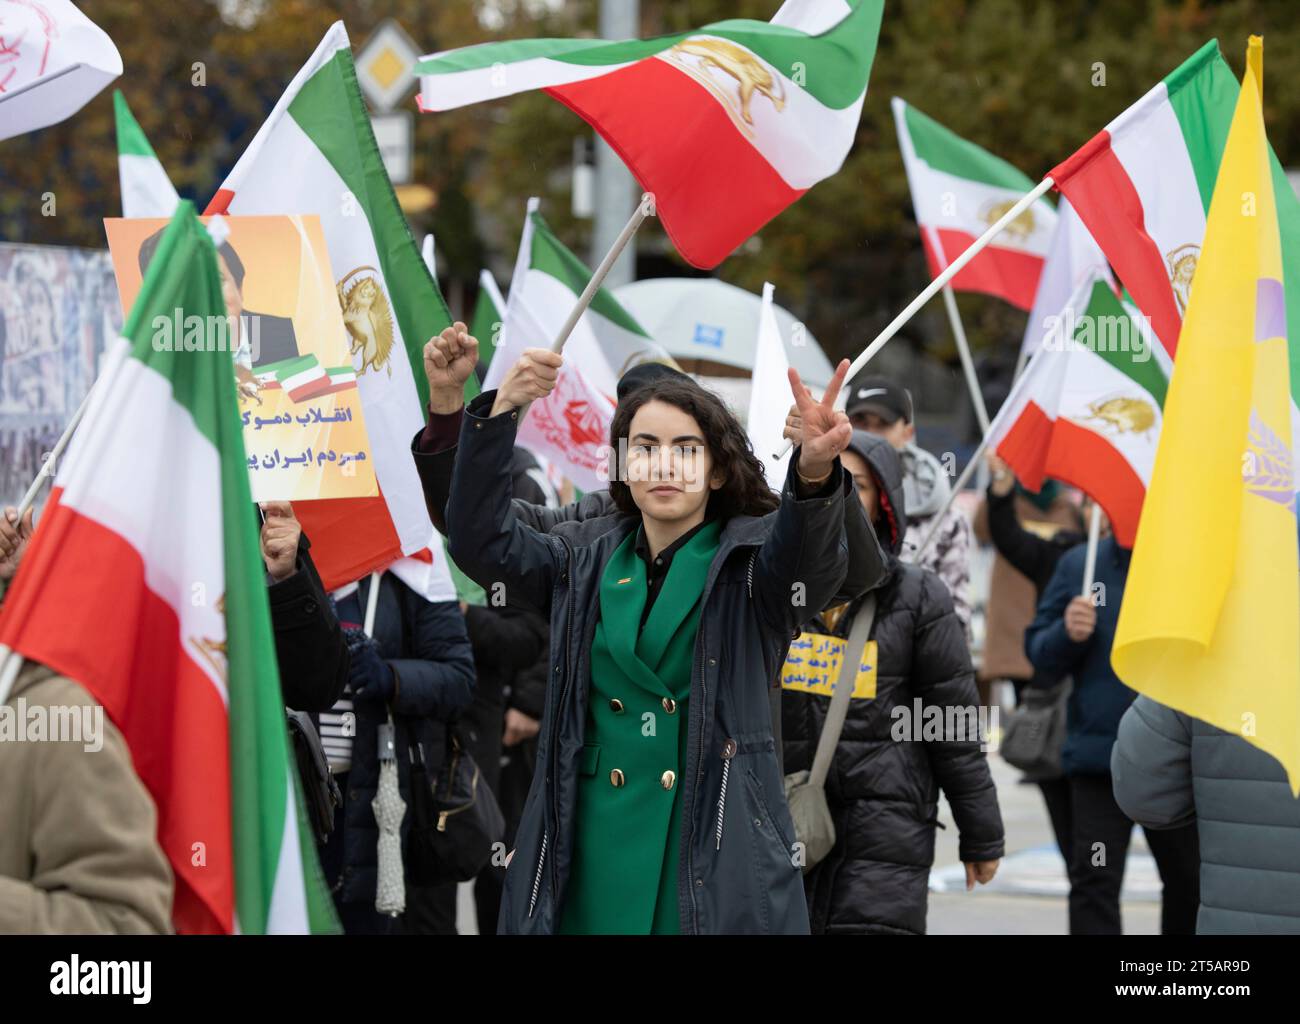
[11,662]
[644,209]
[976,460]
[948,273]
[372,603]
[1090,558]
[967,363]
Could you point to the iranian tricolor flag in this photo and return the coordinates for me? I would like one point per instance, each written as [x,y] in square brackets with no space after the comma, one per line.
[727,125]
[1143,186]
[316,154]
[145,584]
[958,191]
[1087,411]
[53,61]
[146,189]
[572,424]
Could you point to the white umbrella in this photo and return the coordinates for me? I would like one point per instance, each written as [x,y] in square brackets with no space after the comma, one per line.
[701,320]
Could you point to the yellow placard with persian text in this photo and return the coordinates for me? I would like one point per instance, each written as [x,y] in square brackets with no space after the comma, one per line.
[813,666]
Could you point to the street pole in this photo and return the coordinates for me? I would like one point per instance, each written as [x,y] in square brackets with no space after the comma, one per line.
[616,191]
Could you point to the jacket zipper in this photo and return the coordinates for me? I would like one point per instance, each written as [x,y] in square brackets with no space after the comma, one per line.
[473,796]
[559,709]
[537,878]
[701,645]
[541,857]
[700,779]
[728,751]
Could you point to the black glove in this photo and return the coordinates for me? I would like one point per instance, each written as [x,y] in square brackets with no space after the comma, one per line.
[370,677]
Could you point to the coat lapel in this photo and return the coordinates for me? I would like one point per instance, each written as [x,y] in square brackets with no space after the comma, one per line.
[622,599]
[682,589]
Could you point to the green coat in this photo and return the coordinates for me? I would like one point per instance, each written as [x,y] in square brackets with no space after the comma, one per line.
[628,823]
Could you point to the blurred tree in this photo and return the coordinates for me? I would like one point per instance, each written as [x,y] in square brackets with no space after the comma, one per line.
[1019,77]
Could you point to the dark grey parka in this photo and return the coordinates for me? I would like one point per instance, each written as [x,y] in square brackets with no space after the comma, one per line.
[738,871]
[1170,769]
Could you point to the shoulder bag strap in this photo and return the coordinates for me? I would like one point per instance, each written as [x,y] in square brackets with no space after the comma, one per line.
[839,709]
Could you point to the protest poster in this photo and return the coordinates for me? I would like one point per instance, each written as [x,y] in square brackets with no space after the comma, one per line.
[304,432]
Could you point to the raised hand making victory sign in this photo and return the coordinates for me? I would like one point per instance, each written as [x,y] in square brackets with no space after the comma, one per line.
[826,431]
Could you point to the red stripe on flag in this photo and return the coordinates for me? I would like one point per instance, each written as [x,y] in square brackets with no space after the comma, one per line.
[1025,446]
[81,606]
[1035,448]
[712,188]
[350,537]
[997,271]
[1101,192]
[220,203]
[1083,459]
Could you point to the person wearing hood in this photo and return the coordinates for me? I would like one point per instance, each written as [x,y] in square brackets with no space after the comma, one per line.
[884,780]
[879,406]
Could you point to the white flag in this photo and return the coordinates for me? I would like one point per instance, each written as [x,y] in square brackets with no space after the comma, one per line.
[769,395]
[53,61]
[1073,259]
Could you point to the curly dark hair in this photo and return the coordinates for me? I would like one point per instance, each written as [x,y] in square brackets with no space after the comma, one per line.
[744,491]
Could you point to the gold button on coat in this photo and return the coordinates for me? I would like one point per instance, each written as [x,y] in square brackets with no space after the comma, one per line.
[616,706]
[668,779]
[670,705]
[616,778]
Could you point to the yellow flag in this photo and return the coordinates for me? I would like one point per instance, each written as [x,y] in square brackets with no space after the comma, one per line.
[1210,623]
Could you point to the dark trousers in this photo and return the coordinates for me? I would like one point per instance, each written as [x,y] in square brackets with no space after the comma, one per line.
[1056,795]
[1099,839]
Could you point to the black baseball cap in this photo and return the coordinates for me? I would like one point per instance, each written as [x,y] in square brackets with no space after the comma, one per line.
[881,396]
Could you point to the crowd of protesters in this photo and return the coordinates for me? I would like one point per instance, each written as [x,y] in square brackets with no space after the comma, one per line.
[637,718]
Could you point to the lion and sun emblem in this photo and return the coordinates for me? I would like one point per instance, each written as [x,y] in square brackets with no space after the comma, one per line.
[368,319]
[750,75]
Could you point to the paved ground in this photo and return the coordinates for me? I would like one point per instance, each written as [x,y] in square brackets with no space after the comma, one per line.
[1028,895]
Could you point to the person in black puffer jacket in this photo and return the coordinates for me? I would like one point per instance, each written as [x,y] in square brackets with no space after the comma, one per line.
[883,792]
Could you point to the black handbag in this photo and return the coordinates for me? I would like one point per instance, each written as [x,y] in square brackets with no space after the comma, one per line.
[321,792]
[1035,731]
[455,818]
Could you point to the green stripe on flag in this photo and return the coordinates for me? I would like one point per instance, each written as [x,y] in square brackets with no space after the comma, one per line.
[329,109]
[835,65]
[944,150]
[1203,93]
[484,326]
[131,139]
[1139,366]
[551,256]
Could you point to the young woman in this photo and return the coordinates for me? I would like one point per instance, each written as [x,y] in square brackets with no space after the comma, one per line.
[657,805]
